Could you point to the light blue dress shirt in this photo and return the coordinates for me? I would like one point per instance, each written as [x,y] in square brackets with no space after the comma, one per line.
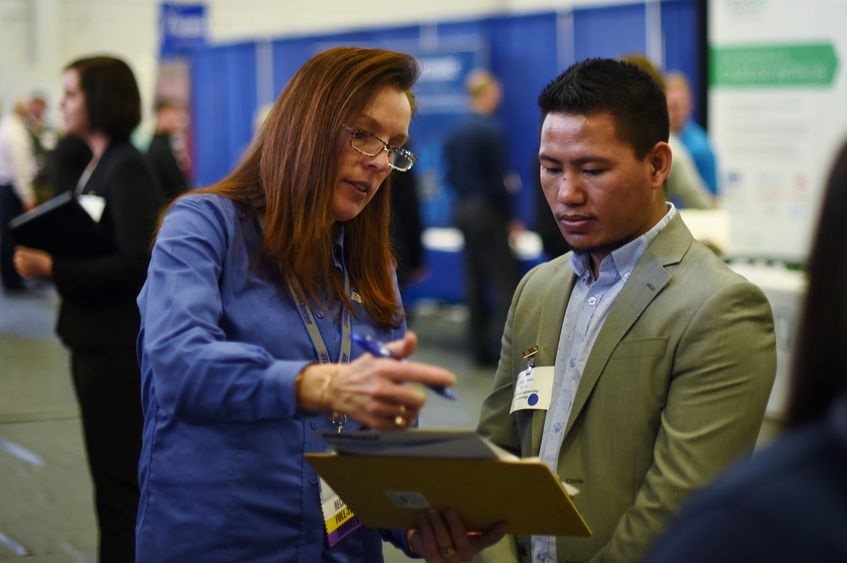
[588,306]
[222,472]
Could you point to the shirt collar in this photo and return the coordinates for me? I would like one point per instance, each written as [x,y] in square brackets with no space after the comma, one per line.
[624,258]
[338,248]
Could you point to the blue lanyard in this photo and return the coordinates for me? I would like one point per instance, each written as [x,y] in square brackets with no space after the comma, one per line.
[312,328]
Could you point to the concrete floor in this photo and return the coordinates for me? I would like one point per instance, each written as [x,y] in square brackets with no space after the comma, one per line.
[46,512]
[46,509]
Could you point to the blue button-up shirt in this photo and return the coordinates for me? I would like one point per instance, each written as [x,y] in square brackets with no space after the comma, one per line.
[222,472]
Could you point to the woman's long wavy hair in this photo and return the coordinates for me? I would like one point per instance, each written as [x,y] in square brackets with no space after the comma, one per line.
[818,378]
[294,159]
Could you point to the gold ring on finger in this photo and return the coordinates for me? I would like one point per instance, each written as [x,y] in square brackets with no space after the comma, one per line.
[448,552]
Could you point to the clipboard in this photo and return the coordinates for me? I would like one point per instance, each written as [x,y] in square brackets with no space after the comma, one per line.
[61,227]
[389,492]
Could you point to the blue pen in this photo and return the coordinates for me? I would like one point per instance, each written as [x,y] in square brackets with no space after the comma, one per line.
[380,350]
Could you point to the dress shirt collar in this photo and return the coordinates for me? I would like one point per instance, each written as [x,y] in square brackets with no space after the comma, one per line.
[623,259]
[338,248]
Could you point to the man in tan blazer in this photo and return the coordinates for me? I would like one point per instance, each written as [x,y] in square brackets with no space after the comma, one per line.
[662,358]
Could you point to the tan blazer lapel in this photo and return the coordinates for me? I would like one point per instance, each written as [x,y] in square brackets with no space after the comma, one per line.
[650,277]
[554,302]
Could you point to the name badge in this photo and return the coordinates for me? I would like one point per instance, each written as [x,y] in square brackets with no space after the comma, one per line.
[93,205]
[339,520]
[534,389]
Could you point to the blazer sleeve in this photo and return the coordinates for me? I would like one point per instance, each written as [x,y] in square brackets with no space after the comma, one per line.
[722,377]
[497,425]
[199,375]
[495,422]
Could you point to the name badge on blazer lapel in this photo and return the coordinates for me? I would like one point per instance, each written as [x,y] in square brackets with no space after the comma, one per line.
[533,389]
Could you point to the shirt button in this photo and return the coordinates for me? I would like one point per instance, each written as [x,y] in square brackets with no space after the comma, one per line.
[572,363]
[314,425]
[592,300]
[319,315]
[313,480]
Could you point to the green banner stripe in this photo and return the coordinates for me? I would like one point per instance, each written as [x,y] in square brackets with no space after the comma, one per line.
[777,65]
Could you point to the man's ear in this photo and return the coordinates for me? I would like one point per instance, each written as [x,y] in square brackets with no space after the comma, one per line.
[660,162]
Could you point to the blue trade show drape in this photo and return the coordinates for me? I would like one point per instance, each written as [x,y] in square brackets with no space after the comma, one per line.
[521,49]
[610,31]
[680,29]
[223,101]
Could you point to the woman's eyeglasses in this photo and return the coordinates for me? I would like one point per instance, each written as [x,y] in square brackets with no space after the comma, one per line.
[367,143]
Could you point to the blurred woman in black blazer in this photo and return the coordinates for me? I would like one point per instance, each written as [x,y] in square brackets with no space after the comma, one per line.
[98,319]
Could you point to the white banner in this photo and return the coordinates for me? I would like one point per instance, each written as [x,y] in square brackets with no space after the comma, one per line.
[778,112]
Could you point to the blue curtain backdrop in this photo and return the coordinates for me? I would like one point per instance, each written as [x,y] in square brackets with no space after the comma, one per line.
[525,51]
[680,27]
[610,31]
[223,103]
[521,49]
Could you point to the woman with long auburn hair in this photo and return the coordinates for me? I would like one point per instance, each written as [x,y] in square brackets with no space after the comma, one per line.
[255,288]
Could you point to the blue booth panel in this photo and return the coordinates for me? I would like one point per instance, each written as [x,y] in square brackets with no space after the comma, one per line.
[223,102]
[522,50]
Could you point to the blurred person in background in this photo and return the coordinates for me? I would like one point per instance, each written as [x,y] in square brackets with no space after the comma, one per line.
[255,287]
[98,317]
[406,233]
[170,117]
[789,502]
[477,158]
[684,186]
[17,170]
[43,145]
[689,132]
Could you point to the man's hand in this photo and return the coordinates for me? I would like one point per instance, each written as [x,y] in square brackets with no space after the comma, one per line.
[441,536]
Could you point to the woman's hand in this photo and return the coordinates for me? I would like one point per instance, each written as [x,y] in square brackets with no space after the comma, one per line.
[372,391]
[32,263]
[441,536]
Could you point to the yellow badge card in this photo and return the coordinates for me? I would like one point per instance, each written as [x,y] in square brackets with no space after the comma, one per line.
[339,520]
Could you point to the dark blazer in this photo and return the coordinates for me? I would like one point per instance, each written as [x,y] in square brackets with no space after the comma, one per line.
[98,308]
[406,225]
[167,170]
[69,161]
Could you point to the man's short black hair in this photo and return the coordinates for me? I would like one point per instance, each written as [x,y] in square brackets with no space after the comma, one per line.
[631,96]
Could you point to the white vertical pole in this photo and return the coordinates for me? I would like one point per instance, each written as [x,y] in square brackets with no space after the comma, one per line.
[565,42]
[264,73]
[653,32]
